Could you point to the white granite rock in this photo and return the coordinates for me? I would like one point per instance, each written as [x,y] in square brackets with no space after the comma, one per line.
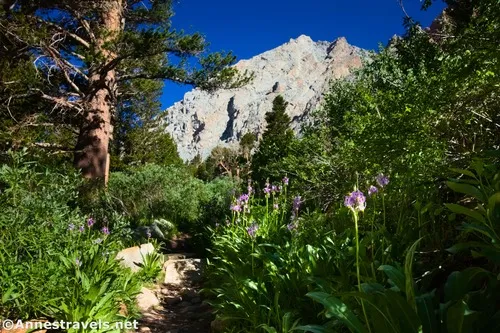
[178,271]
[147,299]
[299,70]
[133,255]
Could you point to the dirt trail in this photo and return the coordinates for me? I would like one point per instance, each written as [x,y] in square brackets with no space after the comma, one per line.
[181,309]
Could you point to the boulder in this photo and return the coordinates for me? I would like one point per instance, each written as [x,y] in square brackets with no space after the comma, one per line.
[147,299]
[179,271]
[133,255]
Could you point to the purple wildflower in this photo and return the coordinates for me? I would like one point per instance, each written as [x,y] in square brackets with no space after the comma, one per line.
[252,229]
[81,229]
[382,180]
[235,208]
[348,201]
[105,230]
[274,189]
[276,206]
[372,190]
[267,189]
[90,222]
[285,180]
[148,234]
[71,227]
[244,198]
[297,201]
[356,201]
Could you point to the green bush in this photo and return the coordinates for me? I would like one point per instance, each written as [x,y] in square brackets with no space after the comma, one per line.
[55,261]
[151,266]
[171,193]
[152,191]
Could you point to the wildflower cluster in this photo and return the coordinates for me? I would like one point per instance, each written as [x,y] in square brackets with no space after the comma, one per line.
[241,204]
[252,229]
[356,200]
[297,201]
[274,208]
[90,223]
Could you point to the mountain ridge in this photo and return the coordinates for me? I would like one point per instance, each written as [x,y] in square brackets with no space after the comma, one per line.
[299,70]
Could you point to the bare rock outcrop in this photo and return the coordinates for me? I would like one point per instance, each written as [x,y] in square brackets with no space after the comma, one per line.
[299,70]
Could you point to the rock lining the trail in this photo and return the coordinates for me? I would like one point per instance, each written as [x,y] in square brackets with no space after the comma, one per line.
[147,299]
[183,269]
[132,256]
[181,308]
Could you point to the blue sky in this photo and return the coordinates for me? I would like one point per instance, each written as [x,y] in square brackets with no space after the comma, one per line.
[251,27]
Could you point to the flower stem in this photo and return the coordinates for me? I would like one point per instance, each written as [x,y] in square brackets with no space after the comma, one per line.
[357,268]
[385,228]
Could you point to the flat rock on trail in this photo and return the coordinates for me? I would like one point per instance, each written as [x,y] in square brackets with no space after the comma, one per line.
[181,308]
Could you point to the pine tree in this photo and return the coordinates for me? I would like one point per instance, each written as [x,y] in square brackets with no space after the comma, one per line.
[88,57]
[275,143]
[138,134]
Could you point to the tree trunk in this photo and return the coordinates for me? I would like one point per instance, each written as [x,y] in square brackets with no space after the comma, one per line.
[91,151]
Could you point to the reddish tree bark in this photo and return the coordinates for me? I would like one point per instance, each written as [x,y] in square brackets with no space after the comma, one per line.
[96,131]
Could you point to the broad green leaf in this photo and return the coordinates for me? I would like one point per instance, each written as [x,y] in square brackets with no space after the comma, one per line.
[397,277]
[287,321]
[455,317]
[7,296]
[339,310]
[457,248]
[402,312]
[494,208]
[426,313]
[251,284]
[410,291]
[467,189]
[460,283]
[460,319]
[465,211]
[485,250]
[464,172]
[483,229]
[312,329]
[379,310]
[268,329]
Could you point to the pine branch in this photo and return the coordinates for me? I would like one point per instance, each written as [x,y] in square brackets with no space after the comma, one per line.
[156,76]
[63,64]
[60,29]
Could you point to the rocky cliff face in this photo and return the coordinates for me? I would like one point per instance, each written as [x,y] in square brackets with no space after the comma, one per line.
[299,70]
